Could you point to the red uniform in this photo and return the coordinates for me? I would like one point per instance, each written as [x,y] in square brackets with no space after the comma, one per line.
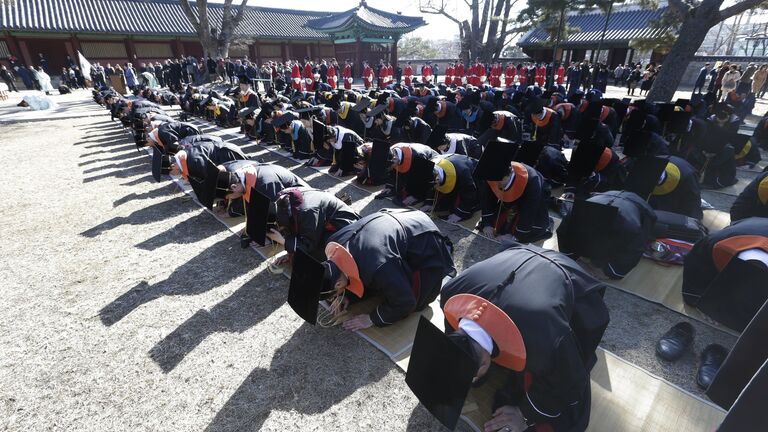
[309,77]
[560,75]
[346,73]
[523,75]
[296,77]
[426,74]
[368,77]
[496,76]
[390,74]
[541,75]
[458,74]
[449,76]
[408,74]
[332,77]
[509,76]
[481,74]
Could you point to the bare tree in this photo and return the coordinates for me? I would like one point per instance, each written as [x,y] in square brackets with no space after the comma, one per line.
[215,40]
[486,30]
[696,17]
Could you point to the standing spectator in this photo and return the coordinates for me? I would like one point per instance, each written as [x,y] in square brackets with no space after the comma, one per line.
[712,80]
[436,71]
[601,78]
[130,76]
[745,83]
[43,80]
[617,74]
[71,78]
[323,71]
[729,82]
[574,78]
[118,80]
[221,69]
[759,79]
[398,73]
[8,78]
[701,79]
[70,62]
[159,74]
[648,76]
[43,62]
[634,77]
[26,77]
[211,64]
[586,75]
[108,71]
[725,67]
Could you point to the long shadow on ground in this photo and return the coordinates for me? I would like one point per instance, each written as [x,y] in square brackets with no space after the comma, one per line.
[145,215]
[213,267]
[246,307]
[316,369]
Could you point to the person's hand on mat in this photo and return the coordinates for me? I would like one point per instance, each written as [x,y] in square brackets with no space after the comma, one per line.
[426,209]
[358,322]
[340,307]
[452,218]
[339,172]
[285,259]
[275,236]
[507,419]
[506,238]
[488,232]
[409,200]
[312,161]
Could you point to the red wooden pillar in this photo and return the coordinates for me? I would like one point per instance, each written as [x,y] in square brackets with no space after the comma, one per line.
[255,52]
[25,54]
[75,45]
[13,47]
[177,48]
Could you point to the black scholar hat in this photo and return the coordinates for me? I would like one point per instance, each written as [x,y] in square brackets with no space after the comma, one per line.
[636,143]
[420,176]
[209,190]
[362,105]
[307,281]
[437,136]
[645,175]
[284,119]
[588,231]
[378,109]
[440,373]
[161,164]
[319,133]
[495,161]
[256,216]
[735,295]
[584,159]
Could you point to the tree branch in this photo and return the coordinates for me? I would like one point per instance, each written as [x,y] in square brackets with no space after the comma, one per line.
[190,15]
[240,14]
[431,9]
[738,8]
[679,6]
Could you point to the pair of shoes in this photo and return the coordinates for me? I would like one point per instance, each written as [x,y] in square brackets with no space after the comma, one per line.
[678,339]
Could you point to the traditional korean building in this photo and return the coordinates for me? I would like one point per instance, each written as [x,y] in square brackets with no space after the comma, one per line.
[625,24]
[155,30]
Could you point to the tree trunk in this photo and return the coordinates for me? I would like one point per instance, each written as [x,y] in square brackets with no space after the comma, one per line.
[692,33]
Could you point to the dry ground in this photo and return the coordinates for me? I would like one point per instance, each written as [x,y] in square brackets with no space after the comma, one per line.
[126,307]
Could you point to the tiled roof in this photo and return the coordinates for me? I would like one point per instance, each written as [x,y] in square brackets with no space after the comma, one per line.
[623,26]
[366,16]
[147,17]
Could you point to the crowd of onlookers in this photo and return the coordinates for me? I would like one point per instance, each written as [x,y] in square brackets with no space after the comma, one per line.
[725,78]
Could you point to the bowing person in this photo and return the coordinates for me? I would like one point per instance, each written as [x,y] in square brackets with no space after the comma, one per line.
[677,190]
[411,171]
[455,189]
[514,196]
[307,217]
[397,254]
[537,315]
[753,200]
[170,133]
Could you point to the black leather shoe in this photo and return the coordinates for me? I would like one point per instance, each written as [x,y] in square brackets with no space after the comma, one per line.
[245,241]
[675,342]
[712,358]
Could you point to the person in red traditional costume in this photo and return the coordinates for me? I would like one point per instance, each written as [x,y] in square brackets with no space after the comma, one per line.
[309,76]
[346,74]
[390,74]
[449,71]
[509,75]
[408,74]
[367,75]
[496,75]
[296,76]
[458,73]
[523,75]
[480,73]
[332,73]
[560,75]
[426,73]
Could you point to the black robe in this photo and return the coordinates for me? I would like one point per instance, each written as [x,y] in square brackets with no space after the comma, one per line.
[527,218]
[753,200]
[173,132]
[402,256]
[271,179]
[685,198]
[699,267]
[319,215]
[463,201]
[559,310]
[626,238]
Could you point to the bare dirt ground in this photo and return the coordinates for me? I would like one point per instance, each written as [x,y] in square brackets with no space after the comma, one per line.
[127,307]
